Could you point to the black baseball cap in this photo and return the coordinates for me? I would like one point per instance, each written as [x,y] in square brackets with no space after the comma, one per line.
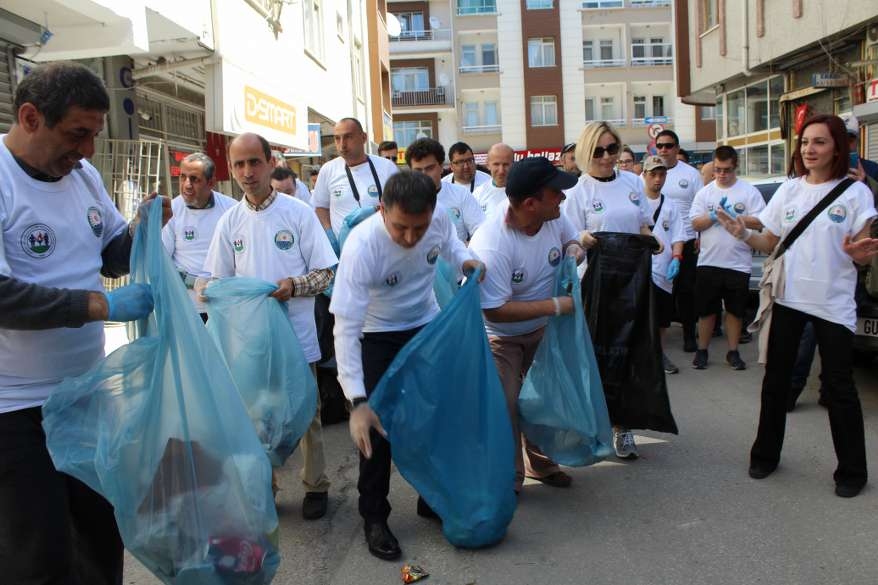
[531,174]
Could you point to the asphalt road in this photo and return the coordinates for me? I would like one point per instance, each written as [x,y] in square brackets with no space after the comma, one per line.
[684,513]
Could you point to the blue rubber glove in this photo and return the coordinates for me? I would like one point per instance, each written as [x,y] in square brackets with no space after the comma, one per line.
[673,269]
[333,241]
[712,216]
[129,303]
[727,207]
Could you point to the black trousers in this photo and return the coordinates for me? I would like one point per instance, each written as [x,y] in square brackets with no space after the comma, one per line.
[684,290]
[54,530]
[845,414]
[379,350]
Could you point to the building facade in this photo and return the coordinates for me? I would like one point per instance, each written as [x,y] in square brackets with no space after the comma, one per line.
[531,73]
[763,66]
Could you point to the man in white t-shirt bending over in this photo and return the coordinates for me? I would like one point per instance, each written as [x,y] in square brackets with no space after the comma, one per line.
[522,244]
[196,212]
[351,181]
[383,295]
[724,262]
[463,168]
[426,155]
[278,239]
[493,193]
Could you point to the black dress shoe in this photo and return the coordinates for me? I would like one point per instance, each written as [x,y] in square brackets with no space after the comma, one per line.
[381,541]
[760,472]
[314,505]
[425,511]
[847,490]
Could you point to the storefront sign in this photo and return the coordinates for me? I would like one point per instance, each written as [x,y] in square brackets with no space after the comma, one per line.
[265,110]
[829,80]
[553,154]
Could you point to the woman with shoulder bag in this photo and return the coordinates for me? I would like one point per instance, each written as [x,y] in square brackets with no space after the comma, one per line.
[816,285]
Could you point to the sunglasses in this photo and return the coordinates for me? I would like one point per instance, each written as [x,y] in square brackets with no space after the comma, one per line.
[662,145]
[611,150]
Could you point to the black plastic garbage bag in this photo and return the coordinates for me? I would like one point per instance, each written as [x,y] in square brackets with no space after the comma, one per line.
[620,312]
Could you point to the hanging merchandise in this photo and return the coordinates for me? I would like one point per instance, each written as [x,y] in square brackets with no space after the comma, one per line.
[445,414]
[617,294]
[158,428]
[561,407]
[254,334]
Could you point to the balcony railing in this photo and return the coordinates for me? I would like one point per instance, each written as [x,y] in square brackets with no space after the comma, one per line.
[432,96]
[648,3]
[435,34]
[470,7]
[479,68]
[593,4]
[484,129]
[652,54]
[591,63]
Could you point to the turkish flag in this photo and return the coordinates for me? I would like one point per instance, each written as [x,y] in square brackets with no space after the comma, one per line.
[216,149]
[803,112]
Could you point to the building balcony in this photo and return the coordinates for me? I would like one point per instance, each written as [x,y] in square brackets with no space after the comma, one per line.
[478,69]
[598,63]
[432,96]
[648,3]
[482,129]
[600,4]
[643,54]
[437,40]
[474,7]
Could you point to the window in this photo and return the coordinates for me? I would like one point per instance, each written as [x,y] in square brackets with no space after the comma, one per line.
[544,110]
[359,87]
[639,107]
[708,113]
[538,4]
[778,160]
[606,50]
[491,116]
[465,7]
[775,90]
[313,28]
[409,79]
[412,25]
[588,51]
[541,52]
[589,109]
[638,49]
[471,114]
[470,56]
[757,160]
[709,17]
[720,119]
[467,56]
[657,46]
[757,108]
[658,105]
[489,56]
[736,113]
[608,108]
[602,4]
[407,131]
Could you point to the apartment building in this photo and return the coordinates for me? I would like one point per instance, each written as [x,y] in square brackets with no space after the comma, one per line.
[764,66]
[531,73]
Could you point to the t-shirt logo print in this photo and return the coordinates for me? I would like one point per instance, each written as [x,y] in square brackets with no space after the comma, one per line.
[338,192]
[838,213]
[95,221]
[554,256]
[432,255]
[634,198]
[518,276]
[238,245]
[392,280]
[666,224]
[38,241]
[683,183]
[739,208]
[597,205]
[284,240]
[790,214]
[189,233]
[372,191]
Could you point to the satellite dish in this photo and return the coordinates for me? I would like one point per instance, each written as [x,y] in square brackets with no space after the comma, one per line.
[434,22]
[394,28]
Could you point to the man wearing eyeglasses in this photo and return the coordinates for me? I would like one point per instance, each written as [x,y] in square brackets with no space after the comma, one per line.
[683,182]
[463,168]
[389,150]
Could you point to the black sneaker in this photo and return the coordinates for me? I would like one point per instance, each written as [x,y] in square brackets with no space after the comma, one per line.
[734,359]
[700,361]
[669,366]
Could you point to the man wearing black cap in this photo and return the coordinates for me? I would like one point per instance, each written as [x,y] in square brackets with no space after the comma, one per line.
[521,244]
[568,159]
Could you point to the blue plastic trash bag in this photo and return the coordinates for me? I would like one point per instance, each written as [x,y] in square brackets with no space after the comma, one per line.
[159,430]
[263,353]
[444,411]
[561,407]
[444,283]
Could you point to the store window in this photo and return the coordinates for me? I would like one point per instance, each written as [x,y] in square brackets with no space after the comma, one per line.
[407,131]
[757,107]
[736,113]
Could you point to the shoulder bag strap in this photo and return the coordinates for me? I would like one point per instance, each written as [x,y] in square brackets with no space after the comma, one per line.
[658,209]
[353,183]
[809,217]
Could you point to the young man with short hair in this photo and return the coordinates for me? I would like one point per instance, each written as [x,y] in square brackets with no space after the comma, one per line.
[724,262]
[522,244]
[389,150]
[383,295]
[284,180]
[463,168]
[426,155]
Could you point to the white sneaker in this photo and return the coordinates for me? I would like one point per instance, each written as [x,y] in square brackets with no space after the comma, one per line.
[623,442]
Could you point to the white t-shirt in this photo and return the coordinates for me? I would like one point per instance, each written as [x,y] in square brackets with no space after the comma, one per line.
[489,197]
[820,276]
[463,208]
[682,184]
[302,192]
[719,248]
[479,179]
[281,241]
[188,234]
[668,229]
[608,206]
[518,267]
[381,286]
[333,189]
[52,235]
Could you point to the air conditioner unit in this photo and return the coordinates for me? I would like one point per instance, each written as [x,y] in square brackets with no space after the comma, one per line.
[872,35]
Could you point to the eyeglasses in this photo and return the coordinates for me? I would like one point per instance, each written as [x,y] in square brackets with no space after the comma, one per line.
[627,161]
[611,150]
[389,157]
[463,162]
[661,145]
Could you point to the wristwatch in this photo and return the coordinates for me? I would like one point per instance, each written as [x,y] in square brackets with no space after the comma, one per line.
[358,401]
